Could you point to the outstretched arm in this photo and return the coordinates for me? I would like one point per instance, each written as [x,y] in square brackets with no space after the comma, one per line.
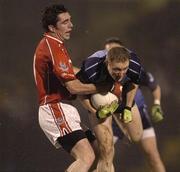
[157,95]
[156,111]
[150,82]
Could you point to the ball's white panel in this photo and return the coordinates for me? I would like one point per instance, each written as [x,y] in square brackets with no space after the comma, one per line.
[98,99]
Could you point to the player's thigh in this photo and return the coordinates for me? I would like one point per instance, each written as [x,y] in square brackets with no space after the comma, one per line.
[135,128]
[83,150]
[104,136]
[103,129]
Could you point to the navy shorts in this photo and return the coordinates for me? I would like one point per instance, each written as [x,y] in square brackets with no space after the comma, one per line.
[68,141]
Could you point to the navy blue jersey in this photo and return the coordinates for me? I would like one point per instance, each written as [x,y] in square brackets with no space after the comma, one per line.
[94,69]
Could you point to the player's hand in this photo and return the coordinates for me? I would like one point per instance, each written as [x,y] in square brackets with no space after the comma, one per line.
[105,111]
[156,113]
[127,115]
[113,106]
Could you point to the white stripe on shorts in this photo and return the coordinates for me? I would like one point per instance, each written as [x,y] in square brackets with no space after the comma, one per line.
[149,132]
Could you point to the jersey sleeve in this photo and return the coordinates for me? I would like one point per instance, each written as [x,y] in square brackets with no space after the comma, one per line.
[148,80]
[135,69]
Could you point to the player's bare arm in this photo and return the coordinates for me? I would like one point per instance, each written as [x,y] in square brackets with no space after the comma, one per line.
[131,94]
[157,95]
[85,101]
[77,87]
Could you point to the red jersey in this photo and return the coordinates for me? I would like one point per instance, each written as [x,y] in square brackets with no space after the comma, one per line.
[52,68]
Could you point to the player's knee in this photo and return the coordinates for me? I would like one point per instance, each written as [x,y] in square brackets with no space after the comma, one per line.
[91,158]
[83,163]
[106,149]
[88,159]
[136,137]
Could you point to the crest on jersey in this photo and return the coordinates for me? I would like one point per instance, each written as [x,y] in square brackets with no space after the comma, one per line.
[63,67]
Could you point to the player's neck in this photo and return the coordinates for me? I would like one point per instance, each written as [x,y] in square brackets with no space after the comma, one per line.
[57,36]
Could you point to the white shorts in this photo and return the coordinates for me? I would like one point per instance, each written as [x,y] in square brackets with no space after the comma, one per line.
[149,132]
[57,120]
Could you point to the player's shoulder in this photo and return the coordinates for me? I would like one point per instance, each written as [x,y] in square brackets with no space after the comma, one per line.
[135,68]
[134,57]
[150,77]
[98,54]
[95,59]
[42,52]
[41,46]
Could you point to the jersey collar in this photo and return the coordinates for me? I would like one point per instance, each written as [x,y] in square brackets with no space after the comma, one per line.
[52,37]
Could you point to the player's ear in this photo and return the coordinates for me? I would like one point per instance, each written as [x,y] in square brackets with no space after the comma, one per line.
[51,28]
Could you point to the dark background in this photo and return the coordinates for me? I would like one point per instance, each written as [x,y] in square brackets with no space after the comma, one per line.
[150,27]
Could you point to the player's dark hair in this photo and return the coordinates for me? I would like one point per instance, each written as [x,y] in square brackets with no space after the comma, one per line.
[113,40]
[50,13]
[118,54]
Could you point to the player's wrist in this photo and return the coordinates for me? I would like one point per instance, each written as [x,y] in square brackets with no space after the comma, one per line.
[157,102]
[128,108]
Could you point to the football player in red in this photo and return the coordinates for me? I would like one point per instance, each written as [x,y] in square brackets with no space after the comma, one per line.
[57,85]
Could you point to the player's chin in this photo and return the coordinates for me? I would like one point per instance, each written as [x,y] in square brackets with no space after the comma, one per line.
[67,36]
[116,78]
[119,78]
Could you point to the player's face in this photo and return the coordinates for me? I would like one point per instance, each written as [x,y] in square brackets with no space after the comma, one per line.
[118,70]
[64,26]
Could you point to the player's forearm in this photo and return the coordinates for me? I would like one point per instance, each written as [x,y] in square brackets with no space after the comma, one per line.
[157,95]
[85,101]
[77,87]
[131,94]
